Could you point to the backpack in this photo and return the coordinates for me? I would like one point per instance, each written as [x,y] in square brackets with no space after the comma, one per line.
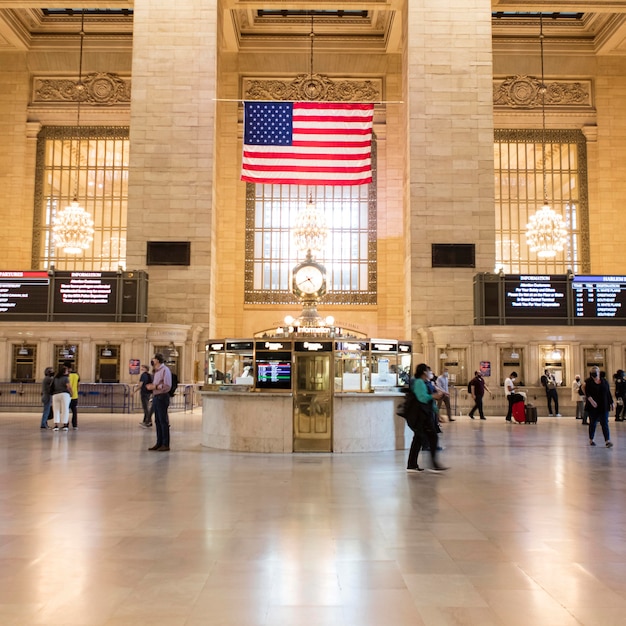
[469,386]
[174,386]
[405,407]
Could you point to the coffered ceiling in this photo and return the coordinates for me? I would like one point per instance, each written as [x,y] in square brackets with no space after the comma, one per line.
[594,27]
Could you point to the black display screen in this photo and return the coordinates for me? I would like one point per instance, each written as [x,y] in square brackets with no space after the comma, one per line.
[273,374]
[599,299]
[85,295]
[535,299]
[24,295]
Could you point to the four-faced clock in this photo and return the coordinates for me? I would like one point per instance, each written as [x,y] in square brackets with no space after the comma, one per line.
[309,280]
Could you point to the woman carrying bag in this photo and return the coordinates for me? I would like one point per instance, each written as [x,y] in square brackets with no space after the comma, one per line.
[423,419]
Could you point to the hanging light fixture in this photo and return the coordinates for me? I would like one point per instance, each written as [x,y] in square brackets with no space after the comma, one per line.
[546,232]
[310,230]
[72,228]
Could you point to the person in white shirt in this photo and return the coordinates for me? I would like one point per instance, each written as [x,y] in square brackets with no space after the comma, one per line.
[578,397]
[509,390]
[442,383]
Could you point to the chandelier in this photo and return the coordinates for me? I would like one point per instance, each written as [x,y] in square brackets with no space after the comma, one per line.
[72,228]
[310,230]
[546,232]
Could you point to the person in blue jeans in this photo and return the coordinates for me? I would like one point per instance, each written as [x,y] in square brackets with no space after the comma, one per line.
[46,398]
[160,387]
[599,403]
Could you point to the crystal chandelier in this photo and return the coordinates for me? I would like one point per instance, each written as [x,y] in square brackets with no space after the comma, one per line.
[72,228]
[310,230]
[546,232]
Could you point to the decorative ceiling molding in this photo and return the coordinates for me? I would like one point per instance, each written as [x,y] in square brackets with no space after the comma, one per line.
[316,87]
[100,88]
[524,92]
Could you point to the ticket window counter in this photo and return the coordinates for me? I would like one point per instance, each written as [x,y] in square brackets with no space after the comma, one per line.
[313,397]
[554,360]
[107,363]
[511,360]
[455,361]
[352,366]
[24,363]
[66,354]
[239,363]
[172,356]
[384,364]
[595,357]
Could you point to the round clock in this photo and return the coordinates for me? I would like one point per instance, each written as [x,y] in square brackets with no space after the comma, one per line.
[309,279]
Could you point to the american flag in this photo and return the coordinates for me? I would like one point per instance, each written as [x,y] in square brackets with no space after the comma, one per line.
[307,143]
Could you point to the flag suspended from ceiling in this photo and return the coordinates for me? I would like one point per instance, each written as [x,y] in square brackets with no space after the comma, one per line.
[307,143]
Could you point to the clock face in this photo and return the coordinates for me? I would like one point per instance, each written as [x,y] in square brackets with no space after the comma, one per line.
[308,279]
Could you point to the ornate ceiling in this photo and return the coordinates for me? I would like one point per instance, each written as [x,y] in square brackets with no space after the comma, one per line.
[372,26]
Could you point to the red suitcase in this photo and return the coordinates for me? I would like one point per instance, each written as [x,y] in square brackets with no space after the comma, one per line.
[519,412]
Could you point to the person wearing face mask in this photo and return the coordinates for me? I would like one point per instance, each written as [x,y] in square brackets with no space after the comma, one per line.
[578,396]
[442,384]
[511,396]
[599,403]
[423,421]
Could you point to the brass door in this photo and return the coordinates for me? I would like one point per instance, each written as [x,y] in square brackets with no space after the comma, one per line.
[312,414]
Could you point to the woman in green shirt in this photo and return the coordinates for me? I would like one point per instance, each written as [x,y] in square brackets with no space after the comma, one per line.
[423,422]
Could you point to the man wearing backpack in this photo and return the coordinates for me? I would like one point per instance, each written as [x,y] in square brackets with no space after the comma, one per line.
[477,388]
[160,386]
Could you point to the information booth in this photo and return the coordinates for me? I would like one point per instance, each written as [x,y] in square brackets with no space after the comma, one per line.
[305,394]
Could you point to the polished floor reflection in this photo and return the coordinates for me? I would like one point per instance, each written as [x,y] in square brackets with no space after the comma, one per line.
[527,527]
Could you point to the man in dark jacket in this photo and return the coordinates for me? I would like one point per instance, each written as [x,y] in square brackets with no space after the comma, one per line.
[599,403]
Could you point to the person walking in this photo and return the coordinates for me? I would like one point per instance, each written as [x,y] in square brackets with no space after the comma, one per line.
[620,396]
[74,380]
[548,380]
[60,391]
[578,396]
[442,384]
[423,419]
[599,403]
[146,395]
[46,398]
[478,387]
[160,387]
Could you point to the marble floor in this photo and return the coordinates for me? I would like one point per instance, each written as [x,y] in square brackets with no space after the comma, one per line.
[528,527]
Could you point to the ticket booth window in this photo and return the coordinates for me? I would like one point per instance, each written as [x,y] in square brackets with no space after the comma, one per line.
[554,361]
[511,360]
[24,363]
[455,361]
[108,363]
[595,357]
[65,353]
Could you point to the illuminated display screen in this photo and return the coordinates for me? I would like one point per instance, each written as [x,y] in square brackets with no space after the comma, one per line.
[535,299]
[599,299]
[273,374]
[24,295]
[85,295]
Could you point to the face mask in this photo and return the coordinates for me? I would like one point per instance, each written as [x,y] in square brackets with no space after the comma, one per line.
[430,375]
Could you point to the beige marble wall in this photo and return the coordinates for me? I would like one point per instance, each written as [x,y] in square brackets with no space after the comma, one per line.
[449,78]
[607,218]
[172,140]
[16,164]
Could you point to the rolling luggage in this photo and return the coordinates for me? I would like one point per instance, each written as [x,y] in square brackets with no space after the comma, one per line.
[519,412]
[531,414]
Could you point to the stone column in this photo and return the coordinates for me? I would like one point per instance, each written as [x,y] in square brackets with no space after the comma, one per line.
[171,151]
[450,128]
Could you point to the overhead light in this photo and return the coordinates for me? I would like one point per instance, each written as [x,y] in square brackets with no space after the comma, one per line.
[173,351]
[556,354]
[310,231]
[546,232]
[23,351]
[72,228]
[443,355]
[514,354]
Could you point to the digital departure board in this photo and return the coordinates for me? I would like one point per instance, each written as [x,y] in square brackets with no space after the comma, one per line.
[83,295]
[535,299]
[24,295]
[599,299]
[38,295]
[273,374]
